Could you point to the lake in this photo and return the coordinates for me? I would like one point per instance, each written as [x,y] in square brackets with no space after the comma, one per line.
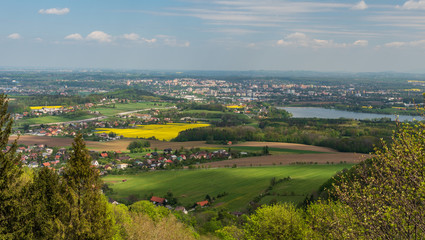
[316,112]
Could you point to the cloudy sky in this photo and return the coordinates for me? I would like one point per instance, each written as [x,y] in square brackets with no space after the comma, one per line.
[325,35]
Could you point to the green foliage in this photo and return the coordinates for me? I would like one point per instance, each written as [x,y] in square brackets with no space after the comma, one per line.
[148,209]
[48,206]
[341,134]
[230,233]
[13,213]
[280,221]
[138,145]
[332,220]
[121,216]
[388,194]
[87,217]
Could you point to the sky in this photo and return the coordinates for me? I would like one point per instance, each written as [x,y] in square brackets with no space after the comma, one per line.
[323,35]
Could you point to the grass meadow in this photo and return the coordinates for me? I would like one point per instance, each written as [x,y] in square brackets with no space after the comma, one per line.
[125,107]
[241,184]
[52,119]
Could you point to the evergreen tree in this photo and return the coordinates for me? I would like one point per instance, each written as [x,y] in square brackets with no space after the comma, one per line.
[48,205]
[13,219]
[87,217]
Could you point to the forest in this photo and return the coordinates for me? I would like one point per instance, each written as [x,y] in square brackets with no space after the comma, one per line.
[344,135]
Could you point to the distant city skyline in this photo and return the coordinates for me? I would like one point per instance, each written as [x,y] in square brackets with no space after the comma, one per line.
[352,36]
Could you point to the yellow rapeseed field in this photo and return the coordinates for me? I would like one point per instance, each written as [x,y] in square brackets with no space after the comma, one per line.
[160,132]
[235,106]
[41,107]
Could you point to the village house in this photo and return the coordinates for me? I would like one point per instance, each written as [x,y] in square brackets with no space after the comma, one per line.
[158,200]
[122,166]
[203,203]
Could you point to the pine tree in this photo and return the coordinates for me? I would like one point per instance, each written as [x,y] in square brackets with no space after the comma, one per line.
[48,206]
[12,211]
[87,217]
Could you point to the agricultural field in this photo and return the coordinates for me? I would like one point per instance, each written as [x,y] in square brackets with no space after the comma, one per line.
[285,159]
[272,150]
[52,119]
[161,132]
[46,107]
[241,184]
[125,107]
[235,106]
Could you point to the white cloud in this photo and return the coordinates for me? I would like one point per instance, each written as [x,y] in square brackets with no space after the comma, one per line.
[413,4]
[74,36]
[418,43]
[153,40]
[99,36]
[54,11]
[14,36]
[361,43]
[360,6]
[299,39]
[38,39]
[131,36]
[172,41]
[136,37]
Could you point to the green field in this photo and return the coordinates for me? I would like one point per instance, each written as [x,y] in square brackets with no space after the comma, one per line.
[52,119]
[242,184]
[126,107]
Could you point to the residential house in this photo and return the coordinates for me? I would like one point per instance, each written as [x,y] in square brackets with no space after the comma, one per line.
[122,166]
[158,200]
[203,203]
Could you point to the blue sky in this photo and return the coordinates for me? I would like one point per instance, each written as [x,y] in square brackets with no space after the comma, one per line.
[354,36]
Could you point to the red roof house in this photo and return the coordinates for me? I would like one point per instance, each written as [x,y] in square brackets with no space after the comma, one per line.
[203,203]
[157,200]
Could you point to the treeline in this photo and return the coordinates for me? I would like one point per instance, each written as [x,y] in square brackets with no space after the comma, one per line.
[342,135]
[218,119]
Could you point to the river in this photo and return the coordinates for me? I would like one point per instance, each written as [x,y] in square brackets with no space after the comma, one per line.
[316,112]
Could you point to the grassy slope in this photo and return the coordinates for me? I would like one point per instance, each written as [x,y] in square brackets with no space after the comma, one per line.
[52,119]
[121,107]
[242,184]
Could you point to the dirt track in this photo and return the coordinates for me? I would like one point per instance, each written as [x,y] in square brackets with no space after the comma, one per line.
[285,159]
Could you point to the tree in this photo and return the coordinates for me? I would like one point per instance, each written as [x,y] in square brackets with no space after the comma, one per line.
[387,195]
[280,221]
[13,220]
[87,217]
[47,206]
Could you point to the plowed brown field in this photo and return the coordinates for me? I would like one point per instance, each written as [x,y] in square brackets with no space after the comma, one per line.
[285,159]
